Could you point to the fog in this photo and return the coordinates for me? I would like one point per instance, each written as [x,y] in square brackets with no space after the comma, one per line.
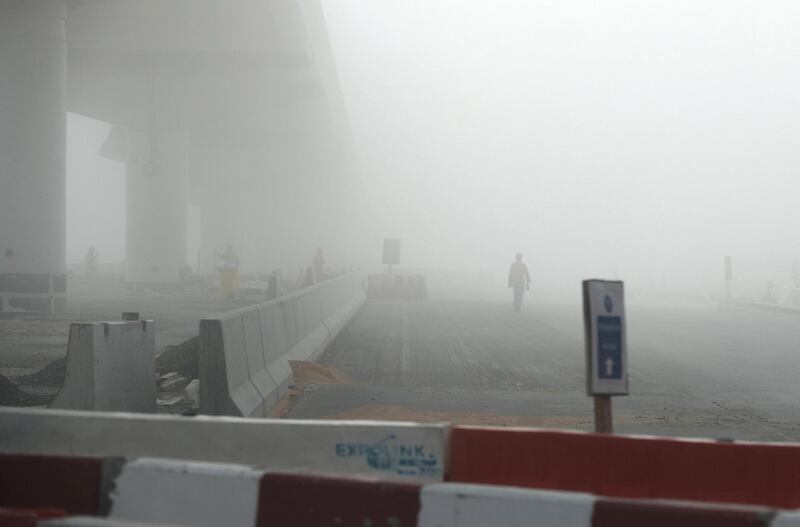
[224,177]
[618,139]
[644,140]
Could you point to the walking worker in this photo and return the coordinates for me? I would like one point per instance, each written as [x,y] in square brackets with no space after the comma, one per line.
[520,280]
[90,261]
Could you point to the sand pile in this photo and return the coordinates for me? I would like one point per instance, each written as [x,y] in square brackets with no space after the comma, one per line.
[306,373]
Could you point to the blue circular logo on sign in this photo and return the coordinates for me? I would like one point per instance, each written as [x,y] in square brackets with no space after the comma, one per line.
[608,304]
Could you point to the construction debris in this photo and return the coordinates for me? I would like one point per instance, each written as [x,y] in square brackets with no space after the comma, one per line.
[10,395]
[183,359]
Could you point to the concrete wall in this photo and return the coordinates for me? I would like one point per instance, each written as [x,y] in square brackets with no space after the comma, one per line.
[245,354]
[110,366]
[403,451]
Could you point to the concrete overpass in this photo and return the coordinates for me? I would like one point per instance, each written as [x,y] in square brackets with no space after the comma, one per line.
[227,115]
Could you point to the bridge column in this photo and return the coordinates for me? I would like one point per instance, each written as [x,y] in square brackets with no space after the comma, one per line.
[33,128]
[157,205]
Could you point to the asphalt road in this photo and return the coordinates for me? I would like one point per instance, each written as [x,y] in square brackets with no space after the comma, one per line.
[696,371]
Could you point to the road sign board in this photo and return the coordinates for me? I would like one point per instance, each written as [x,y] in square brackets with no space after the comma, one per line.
[391,251]
[606,351]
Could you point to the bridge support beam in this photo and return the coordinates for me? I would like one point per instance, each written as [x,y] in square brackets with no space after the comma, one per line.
[33,128]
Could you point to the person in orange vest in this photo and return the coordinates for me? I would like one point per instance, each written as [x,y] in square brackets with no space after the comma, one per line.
[520,280]
[228,272]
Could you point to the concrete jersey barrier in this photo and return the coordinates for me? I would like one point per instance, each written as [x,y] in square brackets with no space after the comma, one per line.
[245,354]
[111,367]
[402,451]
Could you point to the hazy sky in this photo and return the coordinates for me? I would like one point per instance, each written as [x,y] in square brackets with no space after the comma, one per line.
[95,193]
[644,140]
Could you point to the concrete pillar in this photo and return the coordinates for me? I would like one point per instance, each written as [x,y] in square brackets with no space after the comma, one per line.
[33,76]
[221,187]
[157,203]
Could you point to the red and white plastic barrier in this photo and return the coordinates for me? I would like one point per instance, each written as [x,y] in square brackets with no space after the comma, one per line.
[628,466]
[185,493]
[212,494]
[26,517]
[180,493]
[558,477]
[36,482]
[616,513]
[302,499]
[92,521]
[454,505]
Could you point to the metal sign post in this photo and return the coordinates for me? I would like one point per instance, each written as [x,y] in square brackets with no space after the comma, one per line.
[728,279]
[606,348]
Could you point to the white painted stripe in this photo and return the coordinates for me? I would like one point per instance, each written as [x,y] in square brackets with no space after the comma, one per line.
[456,505]
[786,519]
[186,493]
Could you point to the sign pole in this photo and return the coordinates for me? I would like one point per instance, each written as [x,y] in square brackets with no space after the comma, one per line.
[603,418]
[728,280]
[606,349]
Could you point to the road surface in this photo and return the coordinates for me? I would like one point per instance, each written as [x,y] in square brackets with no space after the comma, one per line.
[695,371]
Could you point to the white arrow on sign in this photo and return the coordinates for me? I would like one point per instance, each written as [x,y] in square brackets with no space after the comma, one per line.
[609,366]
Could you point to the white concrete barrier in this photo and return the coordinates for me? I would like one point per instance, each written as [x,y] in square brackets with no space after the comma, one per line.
[404,451]
[457,505]
[340,302]
[185,493]
[110,366]
[245,354]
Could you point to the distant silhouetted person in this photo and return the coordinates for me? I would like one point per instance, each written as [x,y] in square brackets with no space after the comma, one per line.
[319,265]
[519,279]
[90,261]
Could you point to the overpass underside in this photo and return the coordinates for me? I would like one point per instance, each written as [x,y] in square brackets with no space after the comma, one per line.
[227,115]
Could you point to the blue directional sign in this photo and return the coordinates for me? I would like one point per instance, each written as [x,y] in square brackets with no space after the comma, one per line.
[604,321]
[609,347]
